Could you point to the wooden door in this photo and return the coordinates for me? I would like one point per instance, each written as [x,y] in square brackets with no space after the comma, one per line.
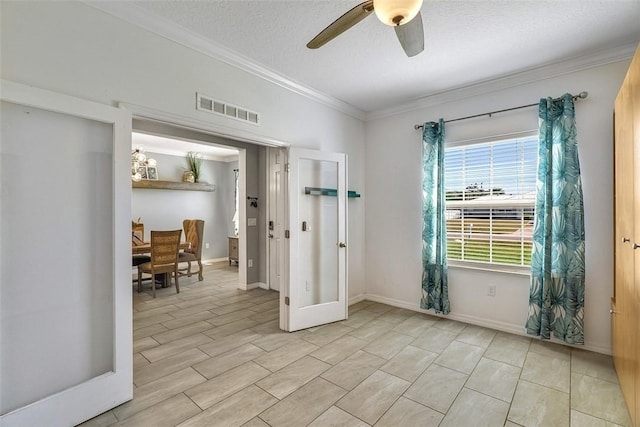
[633,83]
[626,299]
[623,309]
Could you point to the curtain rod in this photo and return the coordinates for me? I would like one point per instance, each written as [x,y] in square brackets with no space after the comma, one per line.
[581,95]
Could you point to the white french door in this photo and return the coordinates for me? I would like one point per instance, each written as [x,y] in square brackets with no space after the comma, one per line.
[65,289]
[316,291]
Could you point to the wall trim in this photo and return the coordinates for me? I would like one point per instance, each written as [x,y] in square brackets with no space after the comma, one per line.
[214,260]
[247,286]
[254,285]
[543,72]
[478,321]
[139,17]
[144,19]
[356,299]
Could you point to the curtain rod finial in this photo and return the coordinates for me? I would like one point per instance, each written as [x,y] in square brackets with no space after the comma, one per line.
[583,94]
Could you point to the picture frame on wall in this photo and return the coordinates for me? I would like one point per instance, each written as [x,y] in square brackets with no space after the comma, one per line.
[142,170]
[152,172]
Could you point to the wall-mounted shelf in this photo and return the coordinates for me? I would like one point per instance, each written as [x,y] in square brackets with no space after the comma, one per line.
[315,191]
[172,185]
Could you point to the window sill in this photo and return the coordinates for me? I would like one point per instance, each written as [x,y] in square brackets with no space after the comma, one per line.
[466,265]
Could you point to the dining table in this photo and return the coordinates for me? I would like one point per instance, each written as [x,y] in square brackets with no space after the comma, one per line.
[145,248]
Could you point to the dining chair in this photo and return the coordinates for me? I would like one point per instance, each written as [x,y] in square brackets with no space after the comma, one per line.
[137,238]
[193,231]
[164,257]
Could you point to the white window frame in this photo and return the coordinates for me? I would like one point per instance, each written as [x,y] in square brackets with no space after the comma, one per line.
[482,265]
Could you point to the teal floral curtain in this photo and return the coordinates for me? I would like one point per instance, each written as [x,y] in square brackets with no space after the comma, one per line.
[435,291]
[556,293]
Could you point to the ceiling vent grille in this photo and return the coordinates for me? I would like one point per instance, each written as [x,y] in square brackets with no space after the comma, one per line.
[210,105]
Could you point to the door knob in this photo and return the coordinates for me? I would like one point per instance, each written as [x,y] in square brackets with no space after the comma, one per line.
[271,236]
[625,240]
[635,245]
[342,244]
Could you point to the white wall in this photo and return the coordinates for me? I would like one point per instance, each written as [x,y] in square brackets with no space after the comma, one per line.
[166,209]
[75,49]
[393,204]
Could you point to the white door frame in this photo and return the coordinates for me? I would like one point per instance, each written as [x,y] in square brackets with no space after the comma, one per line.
[272,204]
[242,219]
[86,400]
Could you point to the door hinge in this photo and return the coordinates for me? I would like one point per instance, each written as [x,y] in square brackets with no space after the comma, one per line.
[287,167]
[286,300]
[286,234]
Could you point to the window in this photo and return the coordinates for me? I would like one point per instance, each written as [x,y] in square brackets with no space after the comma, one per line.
[490,192]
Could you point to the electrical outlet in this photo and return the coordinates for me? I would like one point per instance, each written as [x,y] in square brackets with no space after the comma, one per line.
[308,286]
[206,245]
[491,291]
[250,263]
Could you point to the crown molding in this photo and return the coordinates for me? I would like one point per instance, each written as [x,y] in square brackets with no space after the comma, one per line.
[547,71]
[169,30]
[144,19]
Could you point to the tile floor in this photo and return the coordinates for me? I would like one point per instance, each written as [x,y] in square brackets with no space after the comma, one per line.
[214,356]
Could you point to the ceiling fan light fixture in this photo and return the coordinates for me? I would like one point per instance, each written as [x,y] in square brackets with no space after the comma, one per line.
[396,12]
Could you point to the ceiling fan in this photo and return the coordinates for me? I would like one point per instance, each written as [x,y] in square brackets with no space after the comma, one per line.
[403,15]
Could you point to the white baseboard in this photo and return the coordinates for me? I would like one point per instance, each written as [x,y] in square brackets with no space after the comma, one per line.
[248,286]
[254,285]
[478,321]
[472,320]
[214,260]
[356,299]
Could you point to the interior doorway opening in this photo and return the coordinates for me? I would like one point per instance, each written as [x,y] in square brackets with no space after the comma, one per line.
[253,194]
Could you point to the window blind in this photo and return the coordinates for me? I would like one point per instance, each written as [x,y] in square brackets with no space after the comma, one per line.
[490,192]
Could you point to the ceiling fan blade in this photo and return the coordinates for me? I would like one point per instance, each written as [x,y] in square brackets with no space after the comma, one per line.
[342,24]
[411,36]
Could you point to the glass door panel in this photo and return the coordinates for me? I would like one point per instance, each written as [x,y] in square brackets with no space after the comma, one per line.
[319,232]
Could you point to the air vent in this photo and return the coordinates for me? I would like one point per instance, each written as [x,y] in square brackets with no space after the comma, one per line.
[210,105]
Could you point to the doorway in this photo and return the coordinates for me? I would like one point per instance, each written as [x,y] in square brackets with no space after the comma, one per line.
[252,193]
[255,201]
[211,199]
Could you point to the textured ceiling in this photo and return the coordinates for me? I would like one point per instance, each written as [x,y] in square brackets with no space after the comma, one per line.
[466,41]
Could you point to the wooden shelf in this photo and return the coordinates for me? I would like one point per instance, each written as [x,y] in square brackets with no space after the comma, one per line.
[172,185]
